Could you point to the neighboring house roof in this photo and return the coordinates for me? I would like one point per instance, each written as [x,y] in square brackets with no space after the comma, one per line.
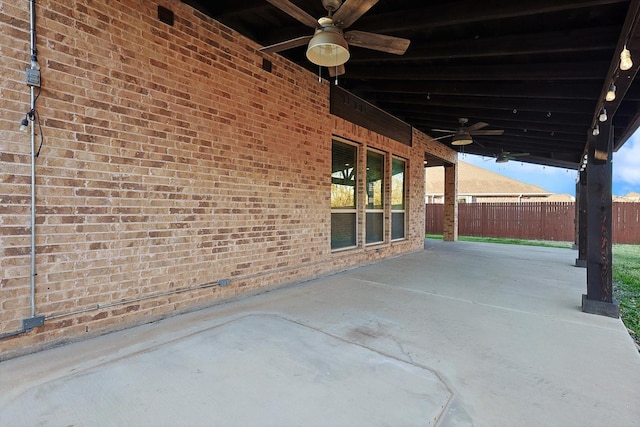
[631,197]
[560,198]
[474,180]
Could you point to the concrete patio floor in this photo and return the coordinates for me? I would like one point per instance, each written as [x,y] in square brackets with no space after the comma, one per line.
[459,334]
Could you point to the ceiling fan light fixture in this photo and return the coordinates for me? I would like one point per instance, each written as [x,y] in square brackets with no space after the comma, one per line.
[625,59]
[461,138]
[328,48]
[502,159]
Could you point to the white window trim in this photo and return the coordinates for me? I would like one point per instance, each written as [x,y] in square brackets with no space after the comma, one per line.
[404,199]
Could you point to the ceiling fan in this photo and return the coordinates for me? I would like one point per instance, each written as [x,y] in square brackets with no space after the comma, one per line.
[505,156]
[329,45]
[464,134]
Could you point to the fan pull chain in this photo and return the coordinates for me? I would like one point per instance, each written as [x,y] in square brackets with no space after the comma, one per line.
[336,75]
[319,74]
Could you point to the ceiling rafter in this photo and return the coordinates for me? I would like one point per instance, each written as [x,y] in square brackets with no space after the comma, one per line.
[584,70]
[540,65]
[556,42]
[510,104]
[444,14]
[536,90]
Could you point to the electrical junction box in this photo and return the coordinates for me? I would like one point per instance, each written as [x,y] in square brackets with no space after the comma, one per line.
[33,77]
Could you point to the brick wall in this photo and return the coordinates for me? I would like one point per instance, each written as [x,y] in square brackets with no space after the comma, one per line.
[450,226]
[450,222]
[171,160]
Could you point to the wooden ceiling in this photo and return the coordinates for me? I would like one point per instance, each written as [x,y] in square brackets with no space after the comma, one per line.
[539,69]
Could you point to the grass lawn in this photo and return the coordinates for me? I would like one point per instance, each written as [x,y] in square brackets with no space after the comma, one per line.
[626,275]
[626,282]
[545,243]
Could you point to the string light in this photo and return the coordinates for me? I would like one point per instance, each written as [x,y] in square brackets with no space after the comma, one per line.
[611,94]
[603,115]
[625,59]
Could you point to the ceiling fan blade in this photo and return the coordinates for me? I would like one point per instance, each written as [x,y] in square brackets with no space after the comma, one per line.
[487,132]
[444,130]
[380,42]
[289,44]
[351,10]
[337,71]
[295,12]
[477,126]
[443,137]
[518,154]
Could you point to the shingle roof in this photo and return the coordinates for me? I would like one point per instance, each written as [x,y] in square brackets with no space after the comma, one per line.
[474,180]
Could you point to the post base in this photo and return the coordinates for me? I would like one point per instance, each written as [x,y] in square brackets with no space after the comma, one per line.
[602,308]
[581,262]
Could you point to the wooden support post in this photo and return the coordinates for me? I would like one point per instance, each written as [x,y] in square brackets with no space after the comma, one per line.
[450,229]
[599,298]
[581,219]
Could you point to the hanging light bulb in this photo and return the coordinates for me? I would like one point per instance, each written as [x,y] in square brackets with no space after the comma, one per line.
[24,125]
[603,115]
[611,94]
[34,63]
[625,59]
[596,130]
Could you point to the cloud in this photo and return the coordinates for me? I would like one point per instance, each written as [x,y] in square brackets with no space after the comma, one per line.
[626,162]
[553,179]
[626,170]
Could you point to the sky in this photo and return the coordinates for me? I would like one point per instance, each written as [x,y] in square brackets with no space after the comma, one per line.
[626,171]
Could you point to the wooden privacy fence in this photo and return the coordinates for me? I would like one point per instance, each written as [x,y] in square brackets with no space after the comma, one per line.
[535,221]
[625,221]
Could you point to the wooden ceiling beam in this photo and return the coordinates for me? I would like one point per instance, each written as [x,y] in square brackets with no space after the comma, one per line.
[556,42]
[509,136]
[445,14]
[220,9]
[444,121]
[508,104]
[550,91]
[528,119]
[587,70]
[545,158]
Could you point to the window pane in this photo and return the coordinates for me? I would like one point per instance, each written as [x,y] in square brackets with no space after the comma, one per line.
[343,230]
[375,175]
[397,225]
[375,229]
[397,184]
[343,176]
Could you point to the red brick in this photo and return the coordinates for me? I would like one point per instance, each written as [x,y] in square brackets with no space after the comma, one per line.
[171,160]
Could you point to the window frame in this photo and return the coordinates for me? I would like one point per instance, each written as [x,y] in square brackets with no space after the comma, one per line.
[404,199]
[382,210]
[355,210]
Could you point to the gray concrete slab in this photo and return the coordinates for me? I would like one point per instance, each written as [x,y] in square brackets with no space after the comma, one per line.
[458,334]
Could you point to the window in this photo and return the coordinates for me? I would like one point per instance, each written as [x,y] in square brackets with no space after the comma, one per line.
[343,195]
[397,199]
[375,197]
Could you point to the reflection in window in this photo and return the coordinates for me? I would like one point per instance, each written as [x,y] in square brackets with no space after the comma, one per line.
[397,199]
[375,197]
[343,195]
